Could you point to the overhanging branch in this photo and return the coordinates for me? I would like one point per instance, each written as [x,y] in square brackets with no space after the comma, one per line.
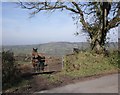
[82,20]
[115,21]
[47,6]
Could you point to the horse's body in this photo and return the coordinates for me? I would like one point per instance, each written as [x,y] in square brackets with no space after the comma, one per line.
[38,60]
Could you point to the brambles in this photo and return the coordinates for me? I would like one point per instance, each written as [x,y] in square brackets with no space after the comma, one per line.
[10,72]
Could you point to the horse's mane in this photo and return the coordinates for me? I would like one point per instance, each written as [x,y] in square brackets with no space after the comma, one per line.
[38,54]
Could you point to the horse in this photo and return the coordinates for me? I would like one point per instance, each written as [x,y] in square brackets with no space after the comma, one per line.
[38,60]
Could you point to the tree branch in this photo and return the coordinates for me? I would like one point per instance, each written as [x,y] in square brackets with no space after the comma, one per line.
[47,6]
[115,21]
[82,20]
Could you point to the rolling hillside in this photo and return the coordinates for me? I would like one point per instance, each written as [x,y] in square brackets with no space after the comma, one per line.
[53,48]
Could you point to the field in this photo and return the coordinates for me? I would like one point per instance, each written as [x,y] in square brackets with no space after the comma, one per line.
[59,72]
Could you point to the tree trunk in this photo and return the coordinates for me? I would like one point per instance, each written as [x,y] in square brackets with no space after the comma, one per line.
[97,41]
[99,38]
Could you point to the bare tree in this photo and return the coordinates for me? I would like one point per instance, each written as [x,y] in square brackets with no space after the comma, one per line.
[105,16]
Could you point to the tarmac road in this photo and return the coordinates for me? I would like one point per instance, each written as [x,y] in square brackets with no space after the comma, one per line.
[105,84]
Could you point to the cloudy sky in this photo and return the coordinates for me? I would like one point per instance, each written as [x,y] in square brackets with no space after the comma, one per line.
[19,29]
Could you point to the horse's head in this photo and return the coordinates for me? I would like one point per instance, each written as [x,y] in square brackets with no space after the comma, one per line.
[35,49]
[34,52]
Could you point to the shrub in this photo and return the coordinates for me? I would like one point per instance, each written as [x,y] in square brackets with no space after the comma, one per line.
[10,72]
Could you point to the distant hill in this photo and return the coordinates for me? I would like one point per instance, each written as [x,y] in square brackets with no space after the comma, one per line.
[53,48]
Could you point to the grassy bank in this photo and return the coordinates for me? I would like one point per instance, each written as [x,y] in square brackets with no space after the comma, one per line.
[87,64]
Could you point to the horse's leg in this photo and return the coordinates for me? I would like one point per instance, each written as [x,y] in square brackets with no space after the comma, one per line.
[39,66]
[33,67]
[42,66]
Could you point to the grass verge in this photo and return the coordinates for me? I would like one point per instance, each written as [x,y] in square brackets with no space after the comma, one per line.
[87,64]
